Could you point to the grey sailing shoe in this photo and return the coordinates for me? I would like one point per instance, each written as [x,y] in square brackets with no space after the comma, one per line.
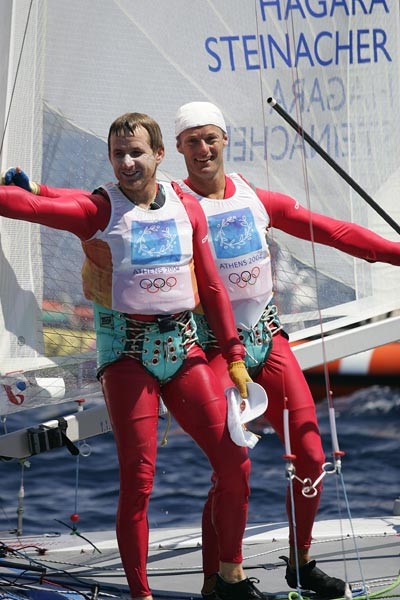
[243,590]
[312,578]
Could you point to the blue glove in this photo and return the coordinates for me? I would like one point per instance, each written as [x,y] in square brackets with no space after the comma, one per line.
[16,176]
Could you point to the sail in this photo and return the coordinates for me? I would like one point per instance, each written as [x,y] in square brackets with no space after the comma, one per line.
[72,67]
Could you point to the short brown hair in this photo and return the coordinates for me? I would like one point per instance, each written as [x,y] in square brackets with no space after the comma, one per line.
[129,122]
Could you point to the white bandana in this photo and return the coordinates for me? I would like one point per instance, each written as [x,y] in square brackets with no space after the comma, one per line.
[197,114]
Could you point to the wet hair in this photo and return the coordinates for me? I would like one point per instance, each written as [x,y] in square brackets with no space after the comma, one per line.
[129,122]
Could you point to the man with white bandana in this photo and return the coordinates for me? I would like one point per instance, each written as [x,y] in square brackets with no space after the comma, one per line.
[239,216]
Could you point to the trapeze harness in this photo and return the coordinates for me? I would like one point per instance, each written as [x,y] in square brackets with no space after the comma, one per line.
[161,345]
[237,230]
[146,258]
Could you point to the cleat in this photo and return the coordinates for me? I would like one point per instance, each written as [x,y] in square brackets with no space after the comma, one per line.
[312,578]
[243,590]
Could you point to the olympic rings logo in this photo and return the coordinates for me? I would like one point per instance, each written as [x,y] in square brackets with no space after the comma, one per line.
[159,284]
[245,277]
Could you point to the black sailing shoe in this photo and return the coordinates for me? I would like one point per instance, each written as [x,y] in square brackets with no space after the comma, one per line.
[211,579]
[243,590]
[312,578]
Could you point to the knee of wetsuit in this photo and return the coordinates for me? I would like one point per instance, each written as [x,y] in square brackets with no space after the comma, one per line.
[235,477]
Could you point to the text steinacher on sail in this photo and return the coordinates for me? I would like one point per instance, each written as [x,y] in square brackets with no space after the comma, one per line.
[324,45]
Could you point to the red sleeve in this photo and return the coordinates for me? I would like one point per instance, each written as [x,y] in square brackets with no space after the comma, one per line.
[213,295]
[75,211]
[51,192]
[288,215]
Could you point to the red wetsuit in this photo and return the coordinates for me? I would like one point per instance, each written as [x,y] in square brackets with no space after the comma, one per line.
[281,374]
[194,396]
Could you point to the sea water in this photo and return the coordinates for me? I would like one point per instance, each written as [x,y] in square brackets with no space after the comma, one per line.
[58,485]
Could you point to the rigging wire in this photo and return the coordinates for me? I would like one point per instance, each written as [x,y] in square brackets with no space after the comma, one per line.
[15,78]
[336,452]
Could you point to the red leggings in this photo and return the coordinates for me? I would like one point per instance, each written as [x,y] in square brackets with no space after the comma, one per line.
[196,400]
[281,376]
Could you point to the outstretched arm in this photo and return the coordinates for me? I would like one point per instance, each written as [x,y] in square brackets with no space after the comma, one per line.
[16,176]
[75,211]
[288,215]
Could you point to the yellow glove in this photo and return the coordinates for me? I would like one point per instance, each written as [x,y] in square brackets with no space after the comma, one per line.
[239,375]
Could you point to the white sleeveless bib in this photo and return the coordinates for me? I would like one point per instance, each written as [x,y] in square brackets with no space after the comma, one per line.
[237,234]
[151,254]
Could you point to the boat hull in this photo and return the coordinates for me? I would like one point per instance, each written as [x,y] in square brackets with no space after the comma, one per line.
[366,549]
